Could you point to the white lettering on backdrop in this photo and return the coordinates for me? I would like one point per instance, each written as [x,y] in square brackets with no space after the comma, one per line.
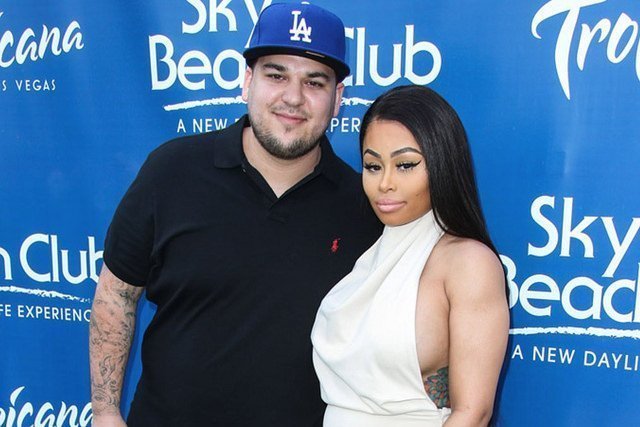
[620,37]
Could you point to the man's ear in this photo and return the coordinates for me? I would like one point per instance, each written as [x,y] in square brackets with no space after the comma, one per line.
[338,100]
[248,75]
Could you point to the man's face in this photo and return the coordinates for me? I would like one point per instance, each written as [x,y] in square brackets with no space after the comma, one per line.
[290,100]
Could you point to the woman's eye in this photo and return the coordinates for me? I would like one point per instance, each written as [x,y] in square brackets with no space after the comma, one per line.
[405,166]
[371,167]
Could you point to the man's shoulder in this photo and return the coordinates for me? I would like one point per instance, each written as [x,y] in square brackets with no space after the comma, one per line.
[340,170]
[345,168]
[201,146]
[185,145]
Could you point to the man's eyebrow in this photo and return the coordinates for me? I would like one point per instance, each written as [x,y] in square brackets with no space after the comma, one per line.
[273,65]
[319,74]
[281,68]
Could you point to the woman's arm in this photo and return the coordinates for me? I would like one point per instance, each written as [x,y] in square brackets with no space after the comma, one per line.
[478,330]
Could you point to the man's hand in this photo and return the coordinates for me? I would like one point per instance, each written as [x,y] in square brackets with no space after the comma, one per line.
[108,421]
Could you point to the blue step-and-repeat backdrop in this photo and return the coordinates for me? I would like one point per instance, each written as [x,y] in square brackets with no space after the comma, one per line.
[549,92]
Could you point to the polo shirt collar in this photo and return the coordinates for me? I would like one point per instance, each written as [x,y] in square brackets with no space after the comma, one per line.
[229,154]
[228,145]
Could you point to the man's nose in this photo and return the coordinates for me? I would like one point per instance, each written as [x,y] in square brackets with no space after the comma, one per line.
[293,94]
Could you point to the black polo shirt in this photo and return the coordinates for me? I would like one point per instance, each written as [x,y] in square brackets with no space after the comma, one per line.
[237,275]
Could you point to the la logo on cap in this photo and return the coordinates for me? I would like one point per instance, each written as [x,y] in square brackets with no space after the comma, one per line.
[299,28]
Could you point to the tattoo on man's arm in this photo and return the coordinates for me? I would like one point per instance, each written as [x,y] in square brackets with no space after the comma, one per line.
[111,331]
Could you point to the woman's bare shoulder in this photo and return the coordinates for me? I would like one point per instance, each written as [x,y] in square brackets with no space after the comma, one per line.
[469,266]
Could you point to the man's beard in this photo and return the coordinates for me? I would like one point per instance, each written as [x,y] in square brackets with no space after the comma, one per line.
[274,146]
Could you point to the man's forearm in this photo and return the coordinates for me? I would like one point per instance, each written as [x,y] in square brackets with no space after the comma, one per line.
[111,330]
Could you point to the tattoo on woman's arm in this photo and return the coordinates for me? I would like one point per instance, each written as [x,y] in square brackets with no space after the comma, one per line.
[437,387]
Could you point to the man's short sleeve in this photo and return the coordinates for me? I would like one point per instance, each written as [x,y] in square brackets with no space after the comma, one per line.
[129,242]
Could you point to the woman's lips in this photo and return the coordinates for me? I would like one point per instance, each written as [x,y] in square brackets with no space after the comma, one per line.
[389,206]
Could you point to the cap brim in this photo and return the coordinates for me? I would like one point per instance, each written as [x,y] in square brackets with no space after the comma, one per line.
[341,69]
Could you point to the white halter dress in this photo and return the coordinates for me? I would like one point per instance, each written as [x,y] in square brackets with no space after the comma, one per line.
[364,336]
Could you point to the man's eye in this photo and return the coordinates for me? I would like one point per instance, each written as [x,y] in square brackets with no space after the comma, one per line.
[275,76]
[316,84]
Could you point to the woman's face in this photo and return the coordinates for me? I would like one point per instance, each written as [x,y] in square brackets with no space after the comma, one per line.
[394,174]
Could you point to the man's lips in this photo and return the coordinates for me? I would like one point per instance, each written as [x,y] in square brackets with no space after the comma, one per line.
[290,118]
[389,206]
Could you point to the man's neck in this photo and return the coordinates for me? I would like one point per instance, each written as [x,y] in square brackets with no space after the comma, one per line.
[280,174]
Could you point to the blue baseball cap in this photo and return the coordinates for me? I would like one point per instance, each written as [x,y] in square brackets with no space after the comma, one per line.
[300,29]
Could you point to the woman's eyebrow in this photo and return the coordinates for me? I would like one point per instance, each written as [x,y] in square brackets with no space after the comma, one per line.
[373,153]
[405,150]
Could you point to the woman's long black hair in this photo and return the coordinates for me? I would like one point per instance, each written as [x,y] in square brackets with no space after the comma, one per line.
[440,134]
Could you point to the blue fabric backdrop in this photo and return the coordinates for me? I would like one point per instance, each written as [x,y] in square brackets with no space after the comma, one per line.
[549,92]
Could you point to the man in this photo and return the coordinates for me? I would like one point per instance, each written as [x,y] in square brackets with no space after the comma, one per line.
[236,236]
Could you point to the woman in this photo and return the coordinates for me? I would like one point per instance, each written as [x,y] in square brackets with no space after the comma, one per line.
[416,334]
